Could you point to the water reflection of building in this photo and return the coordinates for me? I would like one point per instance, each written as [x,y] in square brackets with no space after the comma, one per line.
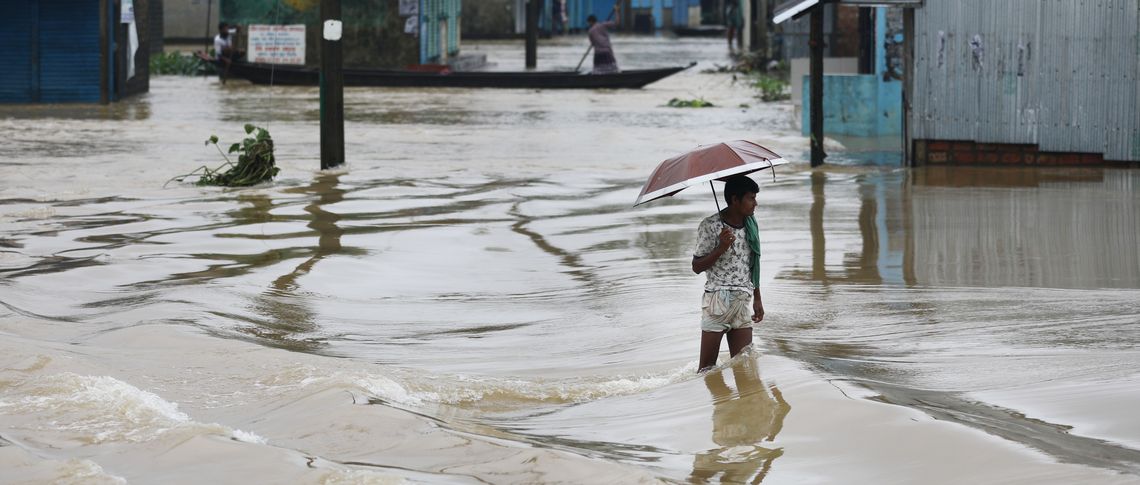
[883,221]
[985,227]
[288,319]
[744,420]
[1074,228]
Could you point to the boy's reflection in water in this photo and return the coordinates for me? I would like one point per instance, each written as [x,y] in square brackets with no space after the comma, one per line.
[743,419]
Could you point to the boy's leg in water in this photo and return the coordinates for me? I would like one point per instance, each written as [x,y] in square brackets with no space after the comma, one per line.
[710,347]
[738,339]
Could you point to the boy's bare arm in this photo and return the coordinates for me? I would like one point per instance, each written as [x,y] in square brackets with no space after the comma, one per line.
[705,262]
[757,306]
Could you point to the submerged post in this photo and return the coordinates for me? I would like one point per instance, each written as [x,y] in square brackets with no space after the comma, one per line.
[531,34]
[332,86]
[908,83]
[760,32]
[816,43]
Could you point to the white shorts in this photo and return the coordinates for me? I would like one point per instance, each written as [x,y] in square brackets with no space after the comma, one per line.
[725,310]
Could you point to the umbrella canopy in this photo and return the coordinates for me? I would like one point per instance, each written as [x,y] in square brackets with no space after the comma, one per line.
[707,163]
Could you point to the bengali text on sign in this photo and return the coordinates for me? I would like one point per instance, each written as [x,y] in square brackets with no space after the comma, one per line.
[277,44]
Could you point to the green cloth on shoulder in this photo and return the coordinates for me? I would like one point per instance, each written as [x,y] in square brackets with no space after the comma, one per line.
[752,232]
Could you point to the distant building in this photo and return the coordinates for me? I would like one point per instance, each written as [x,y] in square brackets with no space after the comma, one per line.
[985,82]
[489,19]
[507,18]
[1026,83]
[841,26]
[74,51]
[376,33]
[190,21]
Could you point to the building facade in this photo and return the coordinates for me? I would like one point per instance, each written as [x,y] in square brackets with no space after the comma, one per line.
[507,18]
[389,34]
[190,20]
[74,51]
[1030,82]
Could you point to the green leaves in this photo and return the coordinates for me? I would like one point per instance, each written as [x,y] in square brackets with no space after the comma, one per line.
[256,163]
[771,88]
[174,63]
[689,103]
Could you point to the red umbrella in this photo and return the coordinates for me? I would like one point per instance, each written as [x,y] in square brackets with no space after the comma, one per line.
[705,164]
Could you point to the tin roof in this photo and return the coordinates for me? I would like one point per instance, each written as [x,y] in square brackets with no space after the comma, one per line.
[793,8]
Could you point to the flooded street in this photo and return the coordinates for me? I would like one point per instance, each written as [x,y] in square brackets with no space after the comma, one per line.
[473,300]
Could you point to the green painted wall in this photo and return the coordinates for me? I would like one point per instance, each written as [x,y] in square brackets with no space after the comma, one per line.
[373,30]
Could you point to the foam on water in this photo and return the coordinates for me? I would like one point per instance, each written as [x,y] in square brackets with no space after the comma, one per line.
[359,477]
[464,389]
[86,472]
[100,409]
[417,389]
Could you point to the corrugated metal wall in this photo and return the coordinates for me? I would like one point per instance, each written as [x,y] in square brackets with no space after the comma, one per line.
[1062,74]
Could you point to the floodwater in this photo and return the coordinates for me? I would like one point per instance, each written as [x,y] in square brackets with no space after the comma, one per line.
[473,300]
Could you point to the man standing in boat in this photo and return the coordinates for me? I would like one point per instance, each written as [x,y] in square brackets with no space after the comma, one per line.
[604,61]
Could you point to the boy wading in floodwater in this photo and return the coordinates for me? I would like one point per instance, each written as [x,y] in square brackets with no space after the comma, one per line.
[728,252]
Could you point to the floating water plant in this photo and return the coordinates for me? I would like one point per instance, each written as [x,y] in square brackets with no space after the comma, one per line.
[771,88]
[176,63]
[689,103]
[255,162]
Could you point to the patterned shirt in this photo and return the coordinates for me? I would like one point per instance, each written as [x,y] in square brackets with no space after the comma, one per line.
[732,270]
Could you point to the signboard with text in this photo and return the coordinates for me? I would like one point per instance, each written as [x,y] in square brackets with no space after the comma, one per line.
[127,11]
[277,44]
[409,7]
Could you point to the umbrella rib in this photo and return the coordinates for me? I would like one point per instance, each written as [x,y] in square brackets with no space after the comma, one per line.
[684,184]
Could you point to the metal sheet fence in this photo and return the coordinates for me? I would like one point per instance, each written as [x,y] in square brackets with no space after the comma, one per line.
[1062,74]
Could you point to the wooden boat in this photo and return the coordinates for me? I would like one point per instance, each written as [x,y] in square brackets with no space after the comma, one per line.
[302,76]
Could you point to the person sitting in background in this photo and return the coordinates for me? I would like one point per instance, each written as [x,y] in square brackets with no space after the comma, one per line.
[224,51]
[224,42]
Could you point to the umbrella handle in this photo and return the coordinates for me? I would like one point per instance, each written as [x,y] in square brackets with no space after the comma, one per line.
[714,197]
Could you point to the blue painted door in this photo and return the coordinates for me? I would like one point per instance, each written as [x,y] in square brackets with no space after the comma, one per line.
[69,50]
[17,29]
[51,51]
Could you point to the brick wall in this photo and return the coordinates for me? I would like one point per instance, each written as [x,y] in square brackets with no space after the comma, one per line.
[964,152]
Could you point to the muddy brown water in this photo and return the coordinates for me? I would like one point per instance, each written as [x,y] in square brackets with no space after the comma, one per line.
[472,299]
